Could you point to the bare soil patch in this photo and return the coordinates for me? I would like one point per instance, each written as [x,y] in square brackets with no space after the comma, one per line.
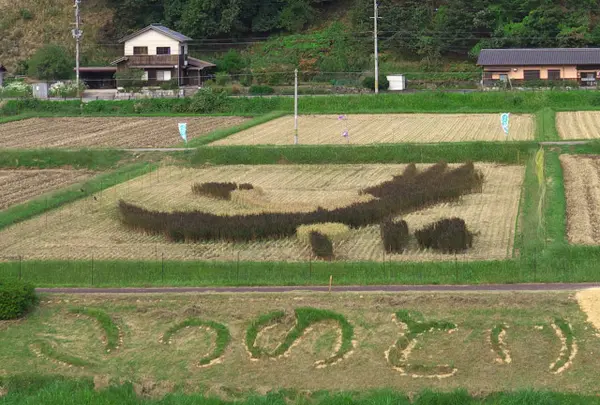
[578,124]
[385,128]
[113,132]
[589,301]
[582,187]
[17,186]
[91,227]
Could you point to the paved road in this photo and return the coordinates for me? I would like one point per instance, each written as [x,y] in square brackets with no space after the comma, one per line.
[365,289]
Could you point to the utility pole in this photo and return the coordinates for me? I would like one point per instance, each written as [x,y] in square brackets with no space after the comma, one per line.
[375,18]
[77,34]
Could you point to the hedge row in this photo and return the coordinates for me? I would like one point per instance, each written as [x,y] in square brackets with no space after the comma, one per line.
[219,190]
[447,235]
[16,298]
[402,195]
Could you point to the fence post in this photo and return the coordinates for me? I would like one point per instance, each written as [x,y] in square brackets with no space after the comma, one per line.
[20,267]
[456,267]
[162,264]
[92,269]
[310,267]
[237,267]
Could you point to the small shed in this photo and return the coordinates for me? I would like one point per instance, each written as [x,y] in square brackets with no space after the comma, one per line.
[2,72]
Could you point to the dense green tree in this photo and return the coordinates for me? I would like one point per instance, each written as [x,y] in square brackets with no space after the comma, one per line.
[51,62]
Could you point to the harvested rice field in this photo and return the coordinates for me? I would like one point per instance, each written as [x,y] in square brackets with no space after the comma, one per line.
[17,186]
[578,124]
[385,128]
[113,132]
[582,187]
[91,227]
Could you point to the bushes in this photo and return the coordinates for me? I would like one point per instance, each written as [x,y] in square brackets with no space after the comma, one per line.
[16,298]
[321,245]
[401,196]
[259,90]
[446,235]
[208,101]
[369,83]
[395,236]
[219,190]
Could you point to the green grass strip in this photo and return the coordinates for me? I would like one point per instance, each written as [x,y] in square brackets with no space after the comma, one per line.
[500,152]
[222,341]
[225,132]
[30,209]
[49,351]
[545,129]
[101,159]
[111,331]
[305,317]
[416,326]
[567,332]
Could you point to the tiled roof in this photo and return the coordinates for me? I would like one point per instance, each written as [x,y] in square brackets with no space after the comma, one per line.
[539,56]
[198,63]
[159,28]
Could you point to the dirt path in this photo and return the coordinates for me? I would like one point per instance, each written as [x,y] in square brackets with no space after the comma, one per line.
[589,301]
[365,289]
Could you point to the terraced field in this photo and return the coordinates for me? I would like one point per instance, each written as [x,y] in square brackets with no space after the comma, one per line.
[17,186]
[91,228]
[113,132]
[385,128]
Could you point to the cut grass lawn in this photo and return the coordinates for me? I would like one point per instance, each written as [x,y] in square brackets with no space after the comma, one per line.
[533,343]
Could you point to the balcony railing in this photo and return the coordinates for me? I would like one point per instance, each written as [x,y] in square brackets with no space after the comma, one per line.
[153,60]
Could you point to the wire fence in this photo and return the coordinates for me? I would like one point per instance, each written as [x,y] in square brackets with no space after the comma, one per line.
[163,272]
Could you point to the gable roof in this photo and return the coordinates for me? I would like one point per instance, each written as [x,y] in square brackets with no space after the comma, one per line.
[177,36]
[539,56]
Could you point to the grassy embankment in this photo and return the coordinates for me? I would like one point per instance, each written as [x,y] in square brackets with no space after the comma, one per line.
[166,339]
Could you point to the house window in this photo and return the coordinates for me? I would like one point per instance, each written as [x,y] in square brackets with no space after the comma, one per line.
[163,50]
[503,77]
[140,50]
[163,75]
[553,74]
[531,74]
[145,76]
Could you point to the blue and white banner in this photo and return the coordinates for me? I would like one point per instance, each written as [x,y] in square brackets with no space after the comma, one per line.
[505,120]
[183,130]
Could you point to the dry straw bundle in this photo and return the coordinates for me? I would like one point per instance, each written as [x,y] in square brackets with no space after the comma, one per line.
[336,232]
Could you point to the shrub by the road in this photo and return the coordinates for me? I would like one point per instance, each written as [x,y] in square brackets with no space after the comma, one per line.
[16,298]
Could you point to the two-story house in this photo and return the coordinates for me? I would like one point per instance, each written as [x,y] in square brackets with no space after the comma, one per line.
[157,50]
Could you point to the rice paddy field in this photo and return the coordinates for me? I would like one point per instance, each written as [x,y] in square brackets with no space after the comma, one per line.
[384,128]
[578,124]
[582,187]
[106,132]
[18,186]
[91,228]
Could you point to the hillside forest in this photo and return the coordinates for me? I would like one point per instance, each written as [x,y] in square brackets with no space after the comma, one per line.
[314,35]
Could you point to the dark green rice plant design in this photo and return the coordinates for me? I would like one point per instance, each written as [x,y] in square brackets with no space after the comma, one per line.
[397,355]
[222,341]
[305,317]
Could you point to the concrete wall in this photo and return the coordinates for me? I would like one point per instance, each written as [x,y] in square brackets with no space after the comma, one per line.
[152,39]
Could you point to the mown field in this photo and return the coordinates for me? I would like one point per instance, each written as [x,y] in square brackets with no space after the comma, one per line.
[81,132]
[18,186]
[384,128]
[218,344]
[578,124]
[90,228]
